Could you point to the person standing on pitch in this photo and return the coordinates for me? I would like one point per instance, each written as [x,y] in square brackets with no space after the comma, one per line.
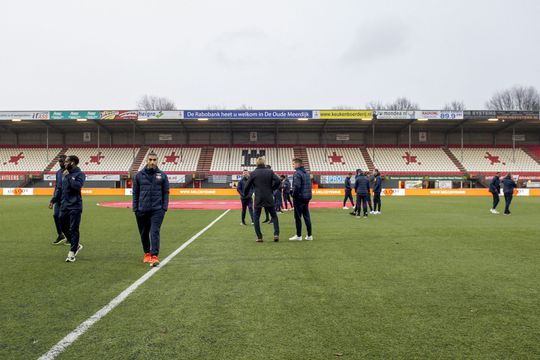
[348,192]
[55,201]
[361,186]
[71,205]
[286,190]
[495,189]
[301,197]
[355,209]
[370,178]
[265,182]
[508,189]
[150,202]
[246,204]
[377,188]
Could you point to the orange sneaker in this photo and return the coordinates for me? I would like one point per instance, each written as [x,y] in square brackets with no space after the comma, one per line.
[147,258]
[154,261]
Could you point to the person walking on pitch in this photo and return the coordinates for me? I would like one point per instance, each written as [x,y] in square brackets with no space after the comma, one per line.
[495,189]
[55,201]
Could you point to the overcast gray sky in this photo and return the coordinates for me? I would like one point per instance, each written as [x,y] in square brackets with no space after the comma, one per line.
[97,54]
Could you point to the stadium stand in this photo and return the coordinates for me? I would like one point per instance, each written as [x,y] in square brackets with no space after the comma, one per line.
[31,159]
[104,160]
[175,159]
[419,160]
[493,159]
[234,159]
[335,159]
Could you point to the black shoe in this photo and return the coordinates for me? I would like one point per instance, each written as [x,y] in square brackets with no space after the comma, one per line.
[259,240]
[353,213]
[266,221]
[60,240]
[276,238]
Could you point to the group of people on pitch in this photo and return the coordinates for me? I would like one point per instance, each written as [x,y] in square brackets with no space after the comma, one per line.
[150,202]
[364,183]
[508,186]
[263,189]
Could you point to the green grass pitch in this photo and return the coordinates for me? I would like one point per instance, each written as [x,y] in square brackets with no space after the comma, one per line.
[429,278]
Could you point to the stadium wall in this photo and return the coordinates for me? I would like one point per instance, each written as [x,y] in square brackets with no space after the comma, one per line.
[299,138]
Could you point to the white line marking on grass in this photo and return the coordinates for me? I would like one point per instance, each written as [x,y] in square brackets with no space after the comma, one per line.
[83,327]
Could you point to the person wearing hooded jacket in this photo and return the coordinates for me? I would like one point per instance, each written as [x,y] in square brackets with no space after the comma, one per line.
[55,201]
[362,187]
[495,189]
[302,195]
[150,202]
[508,190]
[265,182]
[71,205]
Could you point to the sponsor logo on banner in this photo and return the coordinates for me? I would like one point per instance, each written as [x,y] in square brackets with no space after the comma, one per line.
[74,115]
[479,114]
[103,177]
[18,191]
[177,179]
[332,179]
[119,115]
[393,192]
[247,114]
[24,115]
[343,114]
[325,192]
[439,115]
[517,115]
[391,114]
[154,114]
[11,177]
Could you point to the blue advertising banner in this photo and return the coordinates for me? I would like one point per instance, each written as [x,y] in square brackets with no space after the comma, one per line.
[248,114]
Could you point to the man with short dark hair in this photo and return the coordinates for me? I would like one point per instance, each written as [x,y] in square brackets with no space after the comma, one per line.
[302,195]
[265,182]
[71,205]
[55,201]
[150,202]
[377,188]
[495,189]
[508,190]
[361,186]
[348,192]
[246,204]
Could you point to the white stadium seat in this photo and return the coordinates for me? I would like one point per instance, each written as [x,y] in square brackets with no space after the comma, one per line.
[26,159]
[175,159]
[237,158]
[106,159]
[416,159]
[335,159]
[496,159]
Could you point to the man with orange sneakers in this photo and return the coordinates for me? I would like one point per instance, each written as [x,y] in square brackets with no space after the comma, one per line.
[150,202]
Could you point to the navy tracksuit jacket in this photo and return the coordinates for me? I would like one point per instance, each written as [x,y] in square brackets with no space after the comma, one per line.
[150,202]
[71,206]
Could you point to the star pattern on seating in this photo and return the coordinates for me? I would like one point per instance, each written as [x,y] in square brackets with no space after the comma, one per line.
[95,159]
[173,158]
[15,159]
[336,159]
[410,159]
[493,159]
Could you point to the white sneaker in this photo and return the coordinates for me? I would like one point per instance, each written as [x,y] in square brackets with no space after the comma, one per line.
[358,217]
[295,238]
[372,212]
[345,208]
[79,248]
[309,238]
[71,257]
[495,212]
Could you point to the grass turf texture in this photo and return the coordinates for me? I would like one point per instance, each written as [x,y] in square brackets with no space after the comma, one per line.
[430,278]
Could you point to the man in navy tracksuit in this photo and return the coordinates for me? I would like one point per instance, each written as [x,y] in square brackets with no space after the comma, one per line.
[71,205]
[55,201]
[348,192]
[286,191]
[508,189]
[377,188]
[495,189]
[150,202]
[265,183]
[247,204]
[361,186]
[301,197]
[355,210]
[370,179]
